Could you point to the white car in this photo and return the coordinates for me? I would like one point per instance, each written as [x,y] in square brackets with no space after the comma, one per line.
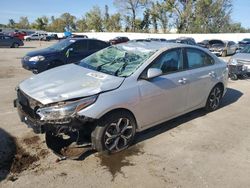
[36,36]
[123,89]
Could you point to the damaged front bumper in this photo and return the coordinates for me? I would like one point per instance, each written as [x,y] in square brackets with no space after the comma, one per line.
[40,126]
[67,138]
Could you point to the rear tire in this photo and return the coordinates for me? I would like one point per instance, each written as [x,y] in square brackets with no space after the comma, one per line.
[214,99]
[114,132]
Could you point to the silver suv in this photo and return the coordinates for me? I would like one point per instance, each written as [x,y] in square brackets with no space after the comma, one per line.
[102,101]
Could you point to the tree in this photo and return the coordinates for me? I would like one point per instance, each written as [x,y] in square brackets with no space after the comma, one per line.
[23,23]
[106,21]
[94,19]
[115,22]
[127,23]
[162,9]
[154,15]
[146,21]
[130,8]
[11,24]
[81,25]
[41,23]
[69,21]
[57,25]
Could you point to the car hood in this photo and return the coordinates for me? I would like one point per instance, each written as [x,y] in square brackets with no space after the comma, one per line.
[242,56]
[68,82]
[43,52]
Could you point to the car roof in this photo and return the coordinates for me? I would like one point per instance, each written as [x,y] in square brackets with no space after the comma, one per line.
[151,46]
[82,39]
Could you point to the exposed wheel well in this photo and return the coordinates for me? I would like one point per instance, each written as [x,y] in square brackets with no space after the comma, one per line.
[120,110]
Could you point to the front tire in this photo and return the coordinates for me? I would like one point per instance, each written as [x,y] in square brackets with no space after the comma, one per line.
[214,99]
[15,45]
[114,132]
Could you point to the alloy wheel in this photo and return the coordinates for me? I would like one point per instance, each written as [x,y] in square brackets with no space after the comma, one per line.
[214,98]
[118,135]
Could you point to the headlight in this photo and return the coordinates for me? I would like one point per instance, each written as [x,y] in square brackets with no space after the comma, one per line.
[37,58]
[233,61]
[65,110]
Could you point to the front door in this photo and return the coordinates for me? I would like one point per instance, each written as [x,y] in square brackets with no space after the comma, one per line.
[78,51]
[165,96]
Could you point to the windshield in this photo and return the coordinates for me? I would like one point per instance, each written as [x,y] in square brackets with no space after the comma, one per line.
[116,60]
[247,40]
[61,45]
[246,49]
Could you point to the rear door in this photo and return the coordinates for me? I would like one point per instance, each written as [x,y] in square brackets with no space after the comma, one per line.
[95,45]
[201,76]
[165,96]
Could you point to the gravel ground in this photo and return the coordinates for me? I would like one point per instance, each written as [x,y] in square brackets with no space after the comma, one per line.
[195,150]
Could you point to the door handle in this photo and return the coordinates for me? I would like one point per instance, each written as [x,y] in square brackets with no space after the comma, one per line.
[182,81]
[212,74]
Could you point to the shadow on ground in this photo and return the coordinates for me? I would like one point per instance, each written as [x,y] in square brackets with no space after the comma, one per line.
[231,96]
[7,153]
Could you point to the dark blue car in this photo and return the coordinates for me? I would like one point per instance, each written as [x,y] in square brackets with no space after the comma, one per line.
[66,51]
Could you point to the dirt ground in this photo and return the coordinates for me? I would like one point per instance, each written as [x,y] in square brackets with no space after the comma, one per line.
[195,150]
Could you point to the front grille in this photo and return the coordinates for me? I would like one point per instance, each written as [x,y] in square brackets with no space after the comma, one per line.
[29,105]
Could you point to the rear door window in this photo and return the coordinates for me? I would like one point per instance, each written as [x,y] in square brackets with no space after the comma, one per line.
[197,58]
[96,45]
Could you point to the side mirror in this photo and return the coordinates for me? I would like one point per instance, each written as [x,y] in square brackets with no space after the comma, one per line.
[153,72]
[237,51]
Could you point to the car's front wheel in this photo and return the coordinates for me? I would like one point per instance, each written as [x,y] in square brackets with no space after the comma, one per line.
[114,132]
[214,99]
[15,45]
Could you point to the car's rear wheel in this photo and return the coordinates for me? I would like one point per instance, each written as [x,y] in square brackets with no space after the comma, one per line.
[214,99]
[114,132]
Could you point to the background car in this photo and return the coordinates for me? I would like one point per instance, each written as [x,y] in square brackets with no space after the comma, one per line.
[243,43]
[186,40]
[242,58]
[106,98]
[8,41]
[118,40]
[223,48]
[18,34]
[37,36]
[64,52]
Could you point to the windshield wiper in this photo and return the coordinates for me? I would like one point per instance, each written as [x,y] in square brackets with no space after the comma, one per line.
[119,69]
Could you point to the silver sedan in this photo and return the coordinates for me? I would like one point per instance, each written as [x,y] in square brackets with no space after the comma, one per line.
[123,89]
